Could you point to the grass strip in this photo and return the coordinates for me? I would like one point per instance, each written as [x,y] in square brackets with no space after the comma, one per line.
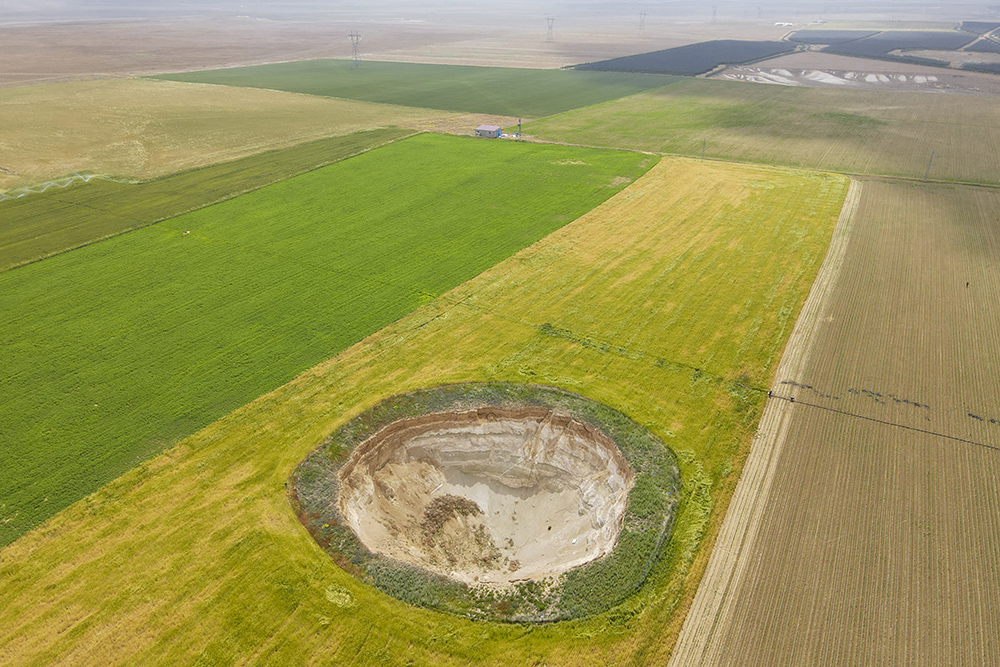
[504,91]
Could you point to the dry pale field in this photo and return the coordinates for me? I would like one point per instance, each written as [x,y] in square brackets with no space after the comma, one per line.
[136,128]
[63,51]
[867,528]
[114,48]
[575,40]
[857,131]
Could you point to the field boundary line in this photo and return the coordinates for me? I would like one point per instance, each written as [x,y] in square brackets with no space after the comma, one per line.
[707,620]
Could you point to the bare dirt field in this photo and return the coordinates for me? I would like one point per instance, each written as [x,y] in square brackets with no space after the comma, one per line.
[869,533]
[826,70]
[136,128]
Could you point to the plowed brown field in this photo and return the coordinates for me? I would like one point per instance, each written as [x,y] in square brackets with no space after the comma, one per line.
[866,529]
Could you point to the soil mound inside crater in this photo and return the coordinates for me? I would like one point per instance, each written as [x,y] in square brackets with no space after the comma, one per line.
[489,496]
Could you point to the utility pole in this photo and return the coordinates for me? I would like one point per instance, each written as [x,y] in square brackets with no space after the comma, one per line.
[928,172]
[355,55]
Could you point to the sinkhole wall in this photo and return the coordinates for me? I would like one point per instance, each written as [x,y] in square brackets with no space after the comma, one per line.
[493,501]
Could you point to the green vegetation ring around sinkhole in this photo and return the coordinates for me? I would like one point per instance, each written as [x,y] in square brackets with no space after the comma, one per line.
[589,589]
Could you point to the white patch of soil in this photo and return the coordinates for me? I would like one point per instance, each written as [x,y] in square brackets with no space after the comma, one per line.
[490,496]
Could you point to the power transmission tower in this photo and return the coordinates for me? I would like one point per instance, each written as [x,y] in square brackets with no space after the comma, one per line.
[642,20]
[715,10]
[759,12]
[355,55]
[550,36]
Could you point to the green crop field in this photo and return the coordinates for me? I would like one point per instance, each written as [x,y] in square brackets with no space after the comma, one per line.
[196,557]
[504,91]
[118,349]
[855,131]
[46,223]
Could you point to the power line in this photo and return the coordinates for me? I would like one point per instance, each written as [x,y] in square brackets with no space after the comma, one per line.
[558,332]
[791,399]
[355,55]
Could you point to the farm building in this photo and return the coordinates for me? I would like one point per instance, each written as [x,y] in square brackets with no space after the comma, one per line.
[489,131]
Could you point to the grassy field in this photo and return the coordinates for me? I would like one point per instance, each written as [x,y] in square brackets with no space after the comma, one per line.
[196,557]
[845,130]
[118,349]
[43,224]
[882,521]
[138,128]
[504,91]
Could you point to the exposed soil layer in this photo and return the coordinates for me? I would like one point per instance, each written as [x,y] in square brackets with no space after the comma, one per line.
[490,496]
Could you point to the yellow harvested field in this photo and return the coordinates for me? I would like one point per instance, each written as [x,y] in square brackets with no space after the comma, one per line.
[197,557]
[136,128]
[869,533]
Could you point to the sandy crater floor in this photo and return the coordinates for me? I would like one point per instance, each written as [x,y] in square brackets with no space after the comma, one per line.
[487,496]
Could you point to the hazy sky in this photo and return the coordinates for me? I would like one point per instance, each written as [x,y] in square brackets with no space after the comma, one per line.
[54,10]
